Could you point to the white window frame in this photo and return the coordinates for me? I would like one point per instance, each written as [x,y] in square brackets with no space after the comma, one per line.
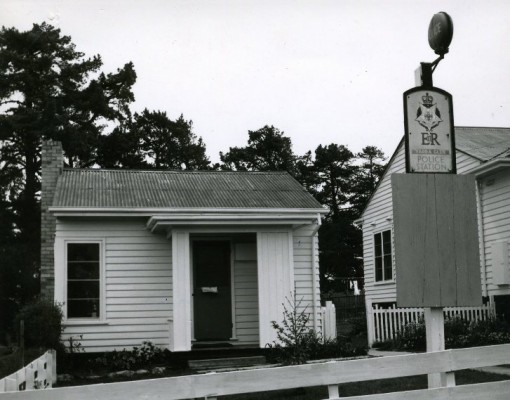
[61,279]
[384,278]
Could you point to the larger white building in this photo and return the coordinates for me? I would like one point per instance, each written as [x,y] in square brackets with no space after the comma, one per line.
[484,152]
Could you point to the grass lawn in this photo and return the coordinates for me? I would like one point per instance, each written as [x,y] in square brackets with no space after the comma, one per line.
[463,377]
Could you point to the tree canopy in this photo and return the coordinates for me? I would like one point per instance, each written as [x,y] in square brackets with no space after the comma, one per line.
[48,90]
[152,140]
[267,150]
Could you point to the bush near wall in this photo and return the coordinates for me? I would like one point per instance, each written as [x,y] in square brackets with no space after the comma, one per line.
[42,324]
[459,333]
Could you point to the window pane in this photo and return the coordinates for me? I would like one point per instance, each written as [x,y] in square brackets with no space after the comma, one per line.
[377,244]
[378,269]
[83,308]
[83,252]
[83,280]
[387,267]
[387,242]
[83,270]
[82,289]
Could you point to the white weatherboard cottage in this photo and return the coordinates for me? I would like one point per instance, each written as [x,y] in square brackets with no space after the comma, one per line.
[176,257]
[484,152]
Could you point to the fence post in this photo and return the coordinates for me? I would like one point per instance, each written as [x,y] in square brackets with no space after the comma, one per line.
[22,341]
[329,321]
[370,321]
[434,327]
[10,385]
[29,376]
[53,366]
[42,373]
[333,392]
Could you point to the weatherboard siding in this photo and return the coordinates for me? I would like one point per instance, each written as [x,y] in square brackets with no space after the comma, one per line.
[378,217]
[494,194]
[465,163]
[246,293]
[137,281]
[306,270]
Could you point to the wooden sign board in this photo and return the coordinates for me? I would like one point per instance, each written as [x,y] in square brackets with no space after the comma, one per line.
[436,240]
[429,131]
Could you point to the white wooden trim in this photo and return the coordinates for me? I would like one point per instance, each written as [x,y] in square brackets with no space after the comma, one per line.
[233,335]
[291,262]
[379,231]
[275,280]
[308,375]
[491,167]
[180,337]
[152,211]
[230,229]
[293,221]
[60,260]
[481,236]
[315,296]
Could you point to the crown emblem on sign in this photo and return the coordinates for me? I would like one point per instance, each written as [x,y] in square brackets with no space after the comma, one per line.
[427,100]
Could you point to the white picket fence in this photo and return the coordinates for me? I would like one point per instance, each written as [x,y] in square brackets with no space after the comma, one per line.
[385,323]
[329,374]
[328,321]
[39,374]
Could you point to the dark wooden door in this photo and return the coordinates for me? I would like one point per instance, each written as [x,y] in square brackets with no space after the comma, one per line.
[212,290]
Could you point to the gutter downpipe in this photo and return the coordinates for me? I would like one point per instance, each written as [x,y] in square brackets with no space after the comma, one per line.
[314,265]
[482,236]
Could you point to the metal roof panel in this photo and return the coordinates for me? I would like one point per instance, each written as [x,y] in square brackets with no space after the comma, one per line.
[99,188]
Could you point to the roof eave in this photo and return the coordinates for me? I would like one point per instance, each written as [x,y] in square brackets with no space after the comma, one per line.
[184,212]
[491,167]
[168,223]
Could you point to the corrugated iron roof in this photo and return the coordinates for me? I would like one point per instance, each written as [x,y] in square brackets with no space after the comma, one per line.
[483,143]
[99,188]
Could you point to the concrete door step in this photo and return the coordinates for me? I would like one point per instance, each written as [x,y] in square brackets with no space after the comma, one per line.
[226,363]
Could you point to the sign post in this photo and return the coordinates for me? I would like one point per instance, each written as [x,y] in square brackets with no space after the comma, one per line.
[440,35]
[436,250]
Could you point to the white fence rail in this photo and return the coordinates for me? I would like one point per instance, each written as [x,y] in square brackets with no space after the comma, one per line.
[39,374]
[385,323]
[328,321]
[329,374]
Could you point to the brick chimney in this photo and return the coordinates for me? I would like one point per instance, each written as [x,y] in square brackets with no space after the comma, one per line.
[52,162]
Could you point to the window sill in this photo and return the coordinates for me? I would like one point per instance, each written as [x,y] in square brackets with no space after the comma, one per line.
[84,322]
[382,283]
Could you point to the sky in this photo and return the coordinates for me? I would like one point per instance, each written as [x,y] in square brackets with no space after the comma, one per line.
[321,71]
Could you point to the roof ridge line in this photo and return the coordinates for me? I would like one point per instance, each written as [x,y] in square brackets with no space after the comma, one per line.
[126,170]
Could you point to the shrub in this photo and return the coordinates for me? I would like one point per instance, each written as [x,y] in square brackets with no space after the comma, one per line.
[336,348]
[42,324]
[412,337]
[298,343]
[459,333]
[359,326]
[140,357]
[295,337]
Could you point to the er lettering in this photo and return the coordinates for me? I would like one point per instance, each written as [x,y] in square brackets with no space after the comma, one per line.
[429,139]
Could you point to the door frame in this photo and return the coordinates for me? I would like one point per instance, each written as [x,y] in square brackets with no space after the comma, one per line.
[222,238]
